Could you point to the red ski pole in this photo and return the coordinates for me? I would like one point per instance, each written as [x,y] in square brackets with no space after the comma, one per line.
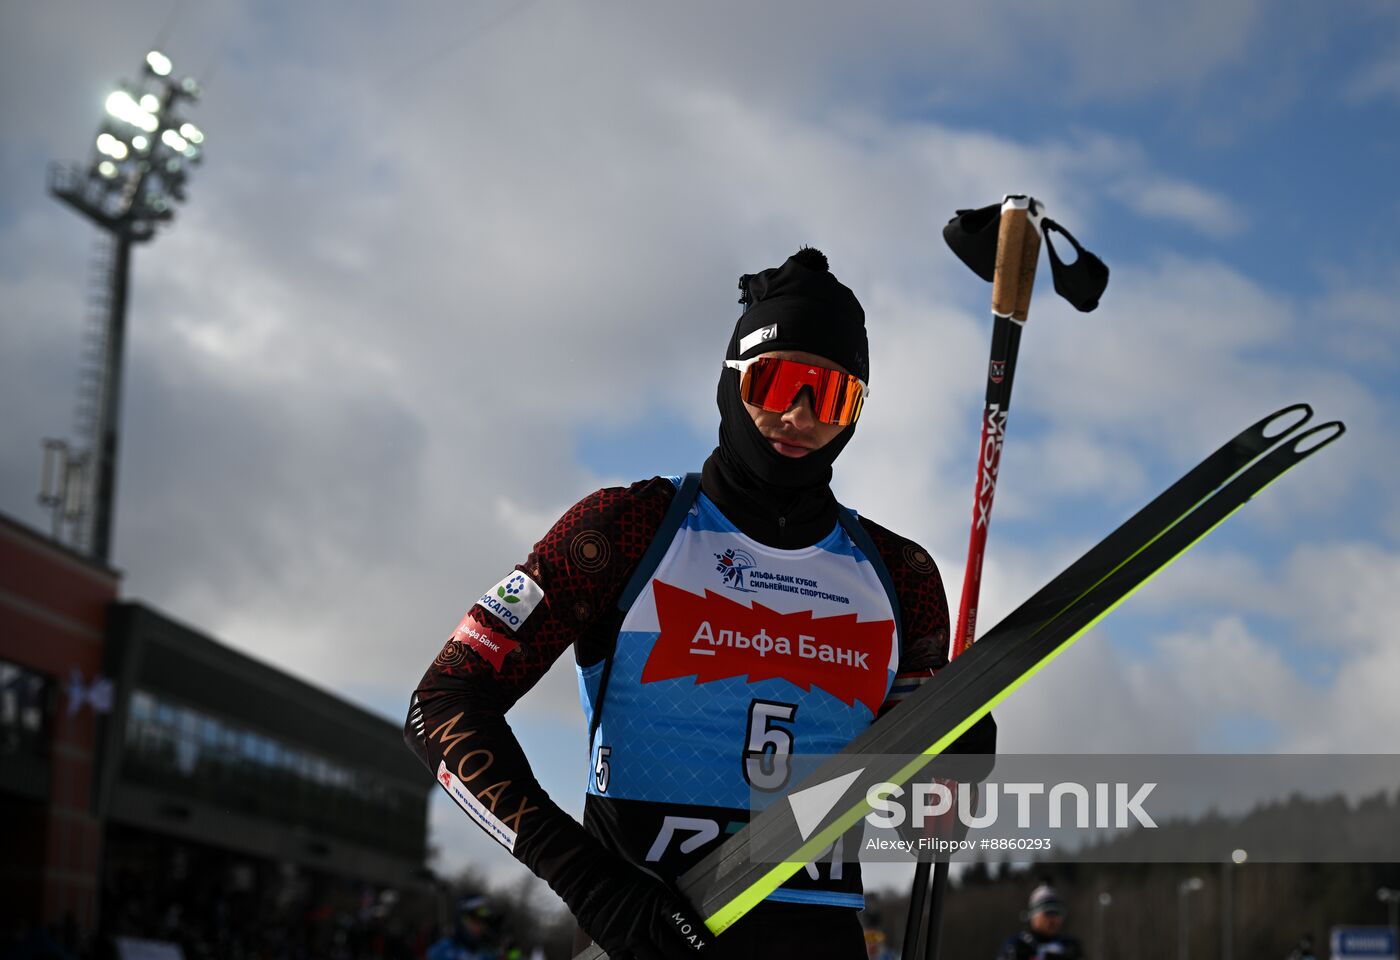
[1013,278]
[1018,249]
[1007,259]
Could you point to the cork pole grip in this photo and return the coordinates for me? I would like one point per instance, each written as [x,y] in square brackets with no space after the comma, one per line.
[1030,255]
[1018,249]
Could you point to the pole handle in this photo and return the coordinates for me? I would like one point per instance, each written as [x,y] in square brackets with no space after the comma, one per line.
[1018,250]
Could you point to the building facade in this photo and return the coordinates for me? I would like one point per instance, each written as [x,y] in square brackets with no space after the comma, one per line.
[53,615]
[157,783]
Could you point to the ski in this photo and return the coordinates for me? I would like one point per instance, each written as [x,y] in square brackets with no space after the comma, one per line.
[776,844]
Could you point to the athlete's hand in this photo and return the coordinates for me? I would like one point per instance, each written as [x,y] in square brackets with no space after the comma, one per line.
[937,831]
[634,916]
[949,827]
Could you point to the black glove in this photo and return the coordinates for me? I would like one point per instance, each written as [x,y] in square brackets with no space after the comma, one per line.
[633,915]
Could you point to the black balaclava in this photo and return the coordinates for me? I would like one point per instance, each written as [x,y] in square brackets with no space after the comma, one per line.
[784,501]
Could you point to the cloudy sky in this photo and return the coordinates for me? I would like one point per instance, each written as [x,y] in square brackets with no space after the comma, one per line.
[445,272]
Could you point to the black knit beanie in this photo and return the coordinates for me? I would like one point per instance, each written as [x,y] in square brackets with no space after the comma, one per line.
[798,306]
[801,306]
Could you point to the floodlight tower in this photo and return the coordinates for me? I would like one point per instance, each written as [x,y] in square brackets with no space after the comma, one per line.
[136,175]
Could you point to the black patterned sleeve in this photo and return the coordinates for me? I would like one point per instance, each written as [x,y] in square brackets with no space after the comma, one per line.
[563,595]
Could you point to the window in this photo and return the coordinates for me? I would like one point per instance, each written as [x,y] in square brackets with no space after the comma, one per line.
[166,740]
[24,709]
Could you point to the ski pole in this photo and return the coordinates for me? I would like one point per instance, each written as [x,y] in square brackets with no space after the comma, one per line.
[1011,270]
[1021,223]
[1013,278]
[1018,247]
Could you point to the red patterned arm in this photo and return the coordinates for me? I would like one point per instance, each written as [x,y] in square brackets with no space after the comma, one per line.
[563,595]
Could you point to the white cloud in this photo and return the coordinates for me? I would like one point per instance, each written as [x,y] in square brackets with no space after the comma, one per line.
[1346,595]
[1202,680]
[1070,462]
[1316,678]
[1164,198]
[1354,317]
[1082,702]
[1090,51]
[1377,79]
[1359,712]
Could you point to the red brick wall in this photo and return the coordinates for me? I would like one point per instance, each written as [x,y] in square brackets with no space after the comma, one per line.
[53,609]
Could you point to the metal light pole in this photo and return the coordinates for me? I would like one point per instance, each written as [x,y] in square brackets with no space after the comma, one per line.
[1183,890]
[1227,903]
[142,157]
[1391,899]
[1104,899]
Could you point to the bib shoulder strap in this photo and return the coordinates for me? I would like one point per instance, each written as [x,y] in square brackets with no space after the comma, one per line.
[863,541]
[660,543]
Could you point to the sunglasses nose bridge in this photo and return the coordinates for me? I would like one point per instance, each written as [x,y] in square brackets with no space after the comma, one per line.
[805,394]
[802,411]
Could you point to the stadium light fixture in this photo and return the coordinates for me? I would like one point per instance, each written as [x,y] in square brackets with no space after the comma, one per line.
[159,63]
[124,107]
[131,185]
[111,146]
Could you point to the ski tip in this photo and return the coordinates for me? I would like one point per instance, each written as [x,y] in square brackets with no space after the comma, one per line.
[1264,425]
[1333,429]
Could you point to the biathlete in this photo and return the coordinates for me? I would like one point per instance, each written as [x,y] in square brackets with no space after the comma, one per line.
[719,628]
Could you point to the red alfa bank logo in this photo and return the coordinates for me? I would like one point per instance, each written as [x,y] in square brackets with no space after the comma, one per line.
[489,643]
[715,638]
